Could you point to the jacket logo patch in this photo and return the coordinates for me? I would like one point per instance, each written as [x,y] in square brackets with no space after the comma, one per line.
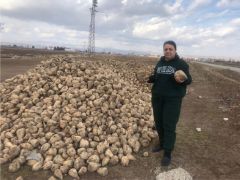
[166,70]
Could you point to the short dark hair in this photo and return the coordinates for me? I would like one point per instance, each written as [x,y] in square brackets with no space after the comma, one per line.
[171,43]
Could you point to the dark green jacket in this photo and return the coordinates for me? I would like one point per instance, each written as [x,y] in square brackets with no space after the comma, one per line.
[163,80]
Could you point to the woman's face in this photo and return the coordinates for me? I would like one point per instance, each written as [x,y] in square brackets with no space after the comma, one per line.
[169,51]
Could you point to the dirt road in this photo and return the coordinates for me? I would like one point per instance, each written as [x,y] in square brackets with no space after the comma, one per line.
[212,154]
[236,69]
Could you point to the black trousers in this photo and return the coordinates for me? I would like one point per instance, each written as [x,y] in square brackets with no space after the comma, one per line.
[166,111]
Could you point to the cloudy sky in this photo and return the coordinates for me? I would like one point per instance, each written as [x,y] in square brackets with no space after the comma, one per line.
[200,27]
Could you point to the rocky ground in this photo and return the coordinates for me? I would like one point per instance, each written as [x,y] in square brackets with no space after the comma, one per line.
[210,154]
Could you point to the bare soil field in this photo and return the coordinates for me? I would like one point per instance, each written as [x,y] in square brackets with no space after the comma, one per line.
[212,154]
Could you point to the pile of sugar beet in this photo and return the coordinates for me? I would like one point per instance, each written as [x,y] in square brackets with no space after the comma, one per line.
[73,116]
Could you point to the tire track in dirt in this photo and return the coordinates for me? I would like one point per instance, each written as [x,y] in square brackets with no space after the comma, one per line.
[220,76]
[218,66]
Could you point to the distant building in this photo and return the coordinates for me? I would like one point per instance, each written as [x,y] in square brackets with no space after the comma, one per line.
[57,48]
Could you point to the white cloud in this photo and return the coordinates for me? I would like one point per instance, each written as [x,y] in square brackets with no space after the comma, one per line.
[175,8]
[198,3]
[228,3]
[36,32]
[212,15]
[155,28]
[124,2]
[145,1]
[67,12]
[12,4]
[47,35]
[196,46]
[224,31]
[235,22]
[164,29]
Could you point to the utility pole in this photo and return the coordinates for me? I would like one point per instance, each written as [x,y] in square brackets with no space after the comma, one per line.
[91,39]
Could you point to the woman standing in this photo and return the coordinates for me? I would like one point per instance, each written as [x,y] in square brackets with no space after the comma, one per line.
[170,78]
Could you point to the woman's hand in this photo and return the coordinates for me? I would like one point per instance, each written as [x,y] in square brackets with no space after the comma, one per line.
[180,76]
[151,79]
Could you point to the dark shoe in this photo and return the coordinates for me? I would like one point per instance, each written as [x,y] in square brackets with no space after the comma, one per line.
[165,161]
[157,148]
